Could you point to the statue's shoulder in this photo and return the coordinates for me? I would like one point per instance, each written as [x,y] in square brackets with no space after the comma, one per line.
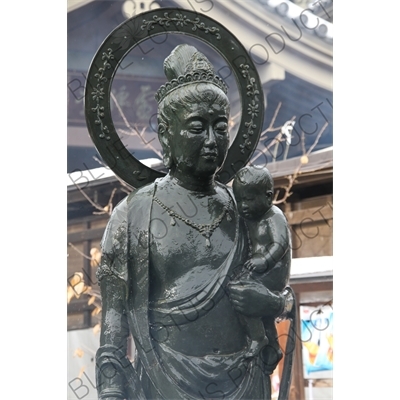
[117,223]
[138,196]
[277,212]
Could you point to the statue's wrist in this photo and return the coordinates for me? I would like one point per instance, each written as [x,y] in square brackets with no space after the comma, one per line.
[110,383]
[287,298]
[265,261]
[111,393]
[108,372]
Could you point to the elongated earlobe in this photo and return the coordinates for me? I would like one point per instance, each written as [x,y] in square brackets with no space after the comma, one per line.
[162,135]
[167,160]
[162,129]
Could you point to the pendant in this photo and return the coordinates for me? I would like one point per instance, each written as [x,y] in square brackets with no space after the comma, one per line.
[172,222]
[207,235]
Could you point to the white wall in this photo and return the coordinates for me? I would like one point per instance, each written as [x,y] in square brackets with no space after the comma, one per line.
[81,383]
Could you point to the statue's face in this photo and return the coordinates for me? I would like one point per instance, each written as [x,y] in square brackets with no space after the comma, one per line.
[199,139]
[252,201]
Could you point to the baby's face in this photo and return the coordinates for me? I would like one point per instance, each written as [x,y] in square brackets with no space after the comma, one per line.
[252,201]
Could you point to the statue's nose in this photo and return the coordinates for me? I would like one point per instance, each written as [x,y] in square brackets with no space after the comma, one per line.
[210,139]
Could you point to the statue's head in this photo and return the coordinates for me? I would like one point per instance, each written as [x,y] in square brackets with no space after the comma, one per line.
[193,114]
[253,188]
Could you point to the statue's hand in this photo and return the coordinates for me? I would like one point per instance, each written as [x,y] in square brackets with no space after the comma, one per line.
[253,299]
[256,264]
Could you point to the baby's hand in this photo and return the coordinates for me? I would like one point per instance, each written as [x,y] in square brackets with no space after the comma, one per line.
[256,264]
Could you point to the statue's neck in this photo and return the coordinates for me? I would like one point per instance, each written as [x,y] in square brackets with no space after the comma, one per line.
[205,185]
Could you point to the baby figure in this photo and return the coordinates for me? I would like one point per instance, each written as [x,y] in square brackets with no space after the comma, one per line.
[270,251]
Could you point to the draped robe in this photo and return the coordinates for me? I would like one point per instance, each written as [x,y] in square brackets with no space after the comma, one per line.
[160,372]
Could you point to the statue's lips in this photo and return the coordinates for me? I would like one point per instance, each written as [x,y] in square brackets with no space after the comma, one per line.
[212,155]
[245,212]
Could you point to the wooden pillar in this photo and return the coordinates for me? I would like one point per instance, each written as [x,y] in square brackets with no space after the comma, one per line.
[297,383]
[298,392]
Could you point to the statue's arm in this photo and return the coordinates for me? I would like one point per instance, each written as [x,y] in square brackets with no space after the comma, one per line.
[111,357]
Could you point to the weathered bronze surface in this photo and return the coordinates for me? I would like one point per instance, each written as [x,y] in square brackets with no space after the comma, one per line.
[269,250]
[193,272]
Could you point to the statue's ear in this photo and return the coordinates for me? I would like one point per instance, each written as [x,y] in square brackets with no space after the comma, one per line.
[164,140]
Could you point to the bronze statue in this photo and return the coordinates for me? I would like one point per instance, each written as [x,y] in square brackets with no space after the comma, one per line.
[173,255]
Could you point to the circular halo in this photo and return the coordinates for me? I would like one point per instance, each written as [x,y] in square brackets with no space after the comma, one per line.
[130,34]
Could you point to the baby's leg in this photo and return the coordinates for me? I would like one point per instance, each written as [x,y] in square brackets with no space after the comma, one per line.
[272,353]
[256,332]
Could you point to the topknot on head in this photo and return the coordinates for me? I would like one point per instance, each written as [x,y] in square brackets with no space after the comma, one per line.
[176,63]
[187,66]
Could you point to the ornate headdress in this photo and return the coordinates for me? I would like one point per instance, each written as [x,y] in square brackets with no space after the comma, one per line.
[185,66]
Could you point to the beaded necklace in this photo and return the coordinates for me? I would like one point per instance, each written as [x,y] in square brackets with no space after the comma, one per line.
[205,229]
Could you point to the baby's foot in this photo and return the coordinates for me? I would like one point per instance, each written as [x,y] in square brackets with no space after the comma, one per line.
[256,346]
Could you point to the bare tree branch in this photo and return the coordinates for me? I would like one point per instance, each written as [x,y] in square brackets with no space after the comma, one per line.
[317,139]
[274,118]
[109,207]
[78,251]
[132,131]
[274,141]
[303,142]
[292,178]
[126,188]
[95,205]
[102,210]
[271,128]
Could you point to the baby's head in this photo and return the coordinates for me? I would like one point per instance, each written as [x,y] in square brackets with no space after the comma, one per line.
[253,188]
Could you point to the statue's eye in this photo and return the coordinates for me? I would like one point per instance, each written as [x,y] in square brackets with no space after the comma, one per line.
[221,128]
[195,127]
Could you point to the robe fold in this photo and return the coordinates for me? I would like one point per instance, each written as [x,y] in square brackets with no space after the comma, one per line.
[163,372]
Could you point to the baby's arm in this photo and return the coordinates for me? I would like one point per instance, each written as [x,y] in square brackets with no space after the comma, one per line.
[278,239]
[256,264]
[278,257]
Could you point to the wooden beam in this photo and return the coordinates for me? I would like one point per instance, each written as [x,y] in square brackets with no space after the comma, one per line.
[88,218]
[79,306]
[90,234]
[312,286]
[323,176]
[314,214]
